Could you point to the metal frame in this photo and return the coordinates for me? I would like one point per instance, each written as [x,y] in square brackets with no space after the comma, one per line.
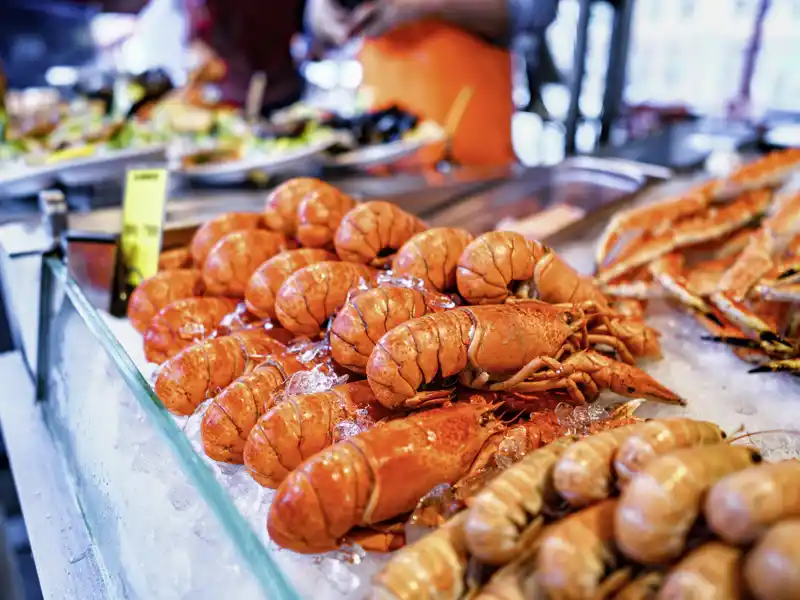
[615,73]
[577,75]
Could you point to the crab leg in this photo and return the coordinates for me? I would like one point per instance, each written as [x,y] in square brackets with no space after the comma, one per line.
[790,365]
[769,171]
[717,222]
[668,271]
[747,275]
[777,292]
[649,217]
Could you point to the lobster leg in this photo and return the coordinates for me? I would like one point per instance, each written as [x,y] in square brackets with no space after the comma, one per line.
[379,538]
[480,380]
[429,399]
[568,384]
[619,347]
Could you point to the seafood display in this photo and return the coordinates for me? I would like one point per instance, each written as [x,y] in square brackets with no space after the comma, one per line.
[385,381]
[726,251]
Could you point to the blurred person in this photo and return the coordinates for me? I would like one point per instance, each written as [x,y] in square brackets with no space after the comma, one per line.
[250,36]
[423,54]
[236,39]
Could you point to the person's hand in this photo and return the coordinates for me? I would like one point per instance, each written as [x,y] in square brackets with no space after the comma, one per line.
[329,21]
[375,18]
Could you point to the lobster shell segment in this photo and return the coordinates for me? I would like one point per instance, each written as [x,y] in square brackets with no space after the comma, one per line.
[319,214]
[214,230]
[232,261]
[161,290]
[183,323]
[304,424]
[233,413]
[177,258]
[310,296]
[432,257]
[201,371]
[500,265]
[374,231]
[280,209]
[263,286]
[369,315]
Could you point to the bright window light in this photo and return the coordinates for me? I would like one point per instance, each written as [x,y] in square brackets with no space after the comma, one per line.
[61,76]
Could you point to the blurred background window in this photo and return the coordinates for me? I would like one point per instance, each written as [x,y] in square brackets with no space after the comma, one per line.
[36,35]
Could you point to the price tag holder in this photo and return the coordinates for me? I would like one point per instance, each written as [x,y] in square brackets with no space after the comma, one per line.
[143,214]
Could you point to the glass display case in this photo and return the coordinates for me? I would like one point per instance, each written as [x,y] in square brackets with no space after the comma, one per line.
[134,470]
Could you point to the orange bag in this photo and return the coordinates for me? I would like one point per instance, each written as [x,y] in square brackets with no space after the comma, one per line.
[424,66]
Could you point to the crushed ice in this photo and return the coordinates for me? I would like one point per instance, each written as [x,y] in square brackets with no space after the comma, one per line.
[319,379]
[309,351]
[346,429]
[433,298]
[578,420]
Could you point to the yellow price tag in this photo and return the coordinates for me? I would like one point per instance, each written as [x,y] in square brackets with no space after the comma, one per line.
[143,212]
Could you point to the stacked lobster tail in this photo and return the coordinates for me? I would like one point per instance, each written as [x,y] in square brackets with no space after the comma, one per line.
[728,251]
[354,360]
[616,515]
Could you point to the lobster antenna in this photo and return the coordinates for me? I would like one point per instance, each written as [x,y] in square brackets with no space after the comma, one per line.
[747,435]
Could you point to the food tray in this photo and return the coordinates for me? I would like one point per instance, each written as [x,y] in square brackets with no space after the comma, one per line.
[139,470]
[26,180]
[239,171]
[585,184]
[20,180]
[378,154]
[107,165]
